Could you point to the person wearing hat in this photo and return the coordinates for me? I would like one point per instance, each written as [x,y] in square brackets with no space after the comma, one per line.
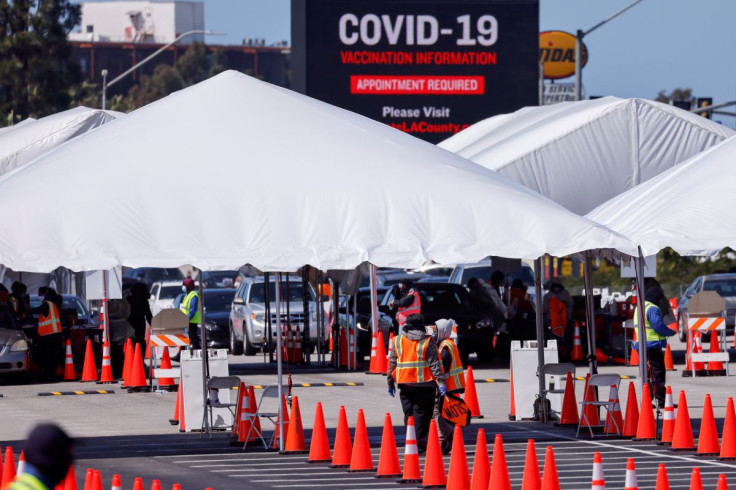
[48,454]
[407,302]
[415,367]
[190,307]
[452,367]
[49,343]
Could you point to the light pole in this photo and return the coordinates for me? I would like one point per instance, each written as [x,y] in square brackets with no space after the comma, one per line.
[578,48]
[148,58]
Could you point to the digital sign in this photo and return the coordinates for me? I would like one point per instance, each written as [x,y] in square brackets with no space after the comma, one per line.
[427,67]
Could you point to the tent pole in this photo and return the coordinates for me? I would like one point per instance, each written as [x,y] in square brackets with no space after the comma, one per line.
[203,344]
[374,300]
[279,360]
[540,335]
[590,312]
[642,336]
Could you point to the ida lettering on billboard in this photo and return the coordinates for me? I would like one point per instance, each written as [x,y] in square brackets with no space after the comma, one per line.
[427,67]
[557,54]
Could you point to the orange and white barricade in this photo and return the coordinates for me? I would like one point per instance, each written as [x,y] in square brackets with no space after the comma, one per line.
[698,326]
[169,341]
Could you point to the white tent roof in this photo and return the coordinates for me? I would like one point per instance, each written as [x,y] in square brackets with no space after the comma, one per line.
[689,207]
[580,154]
[234,171]
[22,123]
[29,139]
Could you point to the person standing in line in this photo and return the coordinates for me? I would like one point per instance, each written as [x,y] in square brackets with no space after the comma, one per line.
[415,367]
[49,454]
[20,303]
[408,302]
[190,307]
[452,367]
[140,312]
[557,307]
[50,346]
[656,332]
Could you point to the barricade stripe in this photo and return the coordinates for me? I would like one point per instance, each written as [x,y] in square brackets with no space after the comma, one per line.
[76,393]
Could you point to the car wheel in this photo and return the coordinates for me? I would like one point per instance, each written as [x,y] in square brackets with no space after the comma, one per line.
[248,348]
[681,330]
[236,348]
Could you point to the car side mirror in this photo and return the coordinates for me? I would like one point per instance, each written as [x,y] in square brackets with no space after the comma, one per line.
[238,301]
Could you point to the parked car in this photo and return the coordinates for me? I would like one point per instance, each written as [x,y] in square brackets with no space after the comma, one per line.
[392,277]
[462,273]
[217,305]
[74,311]
[163,295]
[724,284]
[218,279]
[150,275]
[248,315]
[363,318]
[15,348]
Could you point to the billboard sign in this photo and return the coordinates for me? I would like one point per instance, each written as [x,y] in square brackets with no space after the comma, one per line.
[427,67]
[557,54]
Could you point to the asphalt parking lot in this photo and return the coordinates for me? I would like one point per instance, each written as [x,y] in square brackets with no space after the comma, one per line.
[129,433]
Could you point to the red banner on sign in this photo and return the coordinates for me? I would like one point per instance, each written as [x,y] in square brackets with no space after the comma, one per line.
[417,85]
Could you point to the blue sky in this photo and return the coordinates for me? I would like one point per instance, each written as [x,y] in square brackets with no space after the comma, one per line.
[657,45]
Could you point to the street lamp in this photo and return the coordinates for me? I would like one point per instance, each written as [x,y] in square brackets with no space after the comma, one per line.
[148,58]
[578,48]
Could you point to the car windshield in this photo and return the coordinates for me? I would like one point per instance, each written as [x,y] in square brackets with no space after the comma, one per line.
[257,292]
[70,303]
[219,276]
[724,287]
[364,300]
[155,274]
[170,292]
[218,300]
[440,300]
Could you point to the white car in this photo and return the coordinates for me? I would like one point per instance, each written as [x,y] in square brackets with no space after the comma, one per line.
[163,294]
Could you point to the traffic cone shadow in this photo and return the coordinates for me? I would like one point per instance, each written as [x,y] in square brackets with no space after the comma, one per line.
[458,476]
[481,463]
[682,439]
[728,436]
[434,464]
[319,445]
[342,452]
[388,458]
[532,479]
[471,397]
[631,421]
[499,469]
[89,373]
[412,472]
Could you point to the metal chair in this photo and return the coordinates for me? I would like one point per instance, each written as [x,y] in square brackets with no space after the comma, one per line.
[557,369]
[268,392]
[214,385]
[594,381]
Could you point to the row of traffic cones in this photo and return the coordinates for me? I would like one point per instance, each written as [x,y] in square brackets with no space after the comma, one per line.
[694,346]
[134,376]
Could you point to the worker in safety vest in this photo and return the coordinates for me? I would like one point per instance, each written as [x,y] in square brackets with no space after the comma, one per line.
[408,302]
[190,307]
[557,307]
[656,337]
[452,367]
[49,343]
[48,455]
[414,365]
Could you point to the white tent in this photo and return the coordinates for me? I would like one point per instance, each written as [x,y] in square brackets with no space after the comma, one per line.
[29,139]
[22,123]
[580,154]
[234,170]
[689,208]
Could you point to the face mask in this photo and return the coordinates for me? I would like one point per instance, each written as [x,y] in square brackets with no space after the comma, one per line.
[183,289]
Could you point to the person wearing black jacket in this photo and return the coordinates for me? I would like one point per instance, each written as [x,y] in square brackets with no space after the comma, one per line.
[140,312]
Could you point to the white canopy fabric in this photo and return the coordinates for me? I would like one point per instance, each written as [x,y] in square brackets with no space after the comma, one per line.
[689,207]
[22,123]
[234,171]
[29,139]
[580,154]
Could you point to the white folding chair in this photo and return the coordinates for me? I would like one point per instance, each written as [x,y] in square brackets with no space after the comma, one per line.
[594,381]
[214,385]
[268,392]
[557,369]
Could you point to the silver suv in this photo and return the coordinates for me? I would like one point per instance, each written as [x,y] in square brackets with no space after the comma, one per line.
[248,313]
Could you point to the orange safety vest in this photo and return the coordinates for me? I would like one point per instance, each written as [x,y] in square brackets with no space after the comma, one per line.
[411,361]
[51,323]
[557,316]
[413,309]
[455,378]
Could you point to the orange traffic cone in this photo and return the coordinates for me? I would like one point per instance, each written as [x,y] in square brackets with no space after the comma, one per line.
[89,476]
[390,347]
[411,473]
[634,357]
[182,419]
[696,482]
[715,367]
[373,366]
[342,452]
[242,393]
[682,439]
[295,442]
[668,419]
[630,482]
[96,480]
[632,413]
[21,463]
[285,413]
[166,383]
[499,470]
[512,400]
[614,419]
[256,420]
[669,365]
[319,446]
[127,362]
[156,485]
[388,459]
[646,430]
[577,346]
[138,484]
[722,482]
[591,419]
[89,373]
[698,366]
[728,436]
[569,413]
[663,482]
[381,363]
[471,397]
[244,416]
[531,479]
[8,473]
[137,379]
[360,458]
[599,480]
[116,483]
[458,476]
[106,373]
[708,436]
[70,482]
[434,465]
[69,374]
[550,480]
[481,463]
[176,486]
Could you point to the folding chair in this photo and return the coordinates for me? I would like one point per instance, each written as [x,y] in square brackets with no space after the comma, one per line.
[214,385]
[557,369]
[594,381]
[268,392]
